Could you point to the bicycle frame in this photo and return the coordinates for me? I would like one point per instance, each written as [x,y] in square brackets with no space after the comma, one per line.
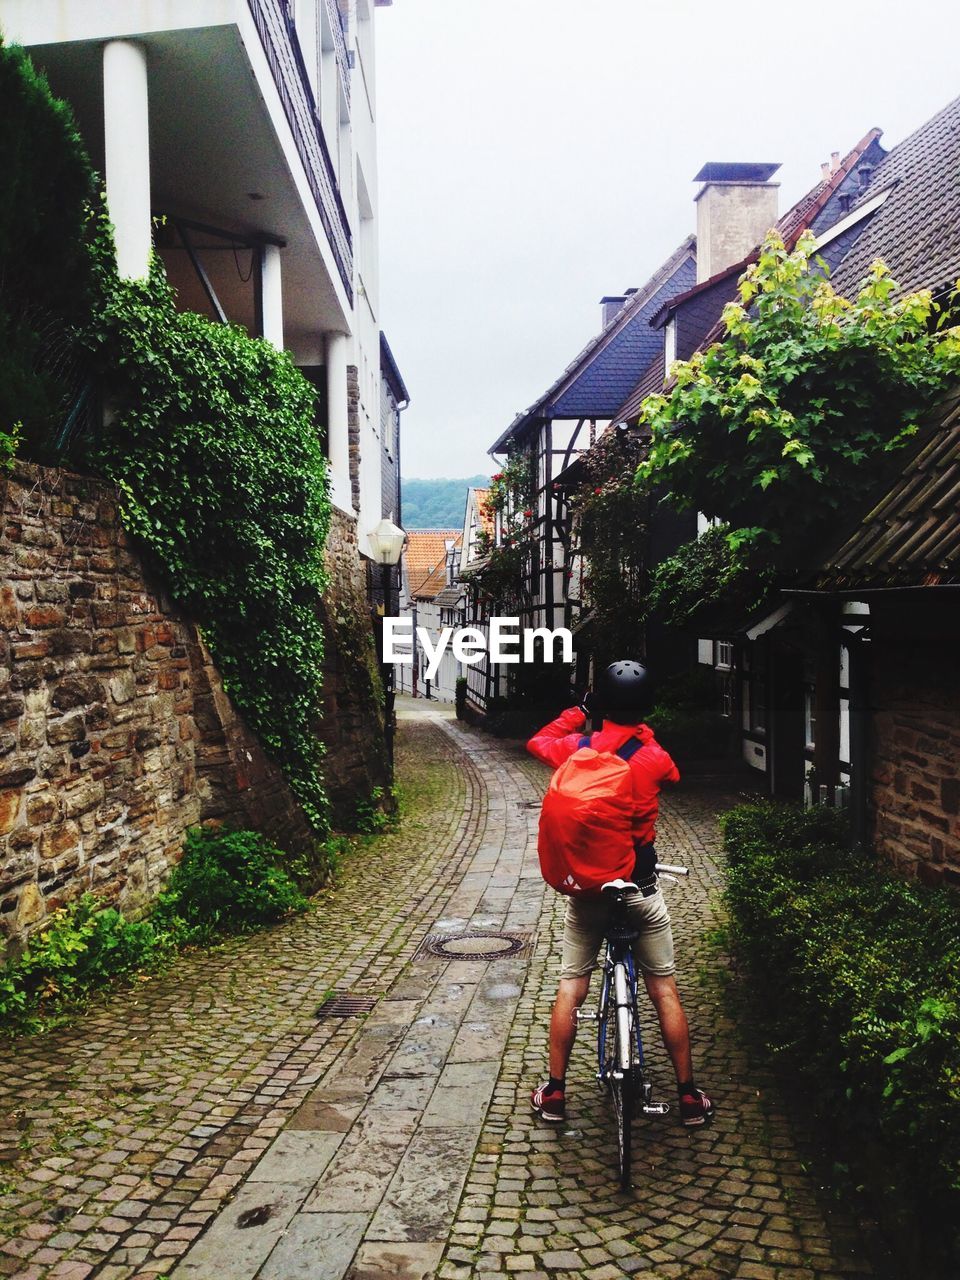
[620,981]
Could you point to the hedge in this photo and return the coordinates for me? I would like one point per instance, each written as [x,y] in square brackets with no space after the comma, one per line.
[857,978]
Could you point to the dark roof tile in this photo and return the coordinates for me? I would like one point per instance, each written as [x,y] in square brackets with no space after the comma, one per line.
[917,229]
[911,535]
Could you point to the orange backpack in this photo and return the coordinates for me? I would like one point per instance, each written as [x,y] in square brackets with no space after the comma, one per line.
[586,822]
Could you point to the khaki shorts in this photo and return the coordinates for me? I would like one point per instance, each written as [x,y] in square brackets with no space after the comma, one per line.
[583,929]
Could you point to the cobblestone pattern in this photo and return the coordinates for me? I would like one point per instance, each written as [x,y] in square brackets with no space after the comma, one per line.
[365,1181]
[128,1136]
[732,1200]
[121,1136]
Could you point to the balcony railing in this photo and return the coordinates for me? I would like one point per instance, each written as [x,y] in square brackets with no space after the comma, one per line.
[289,72]
[339,43]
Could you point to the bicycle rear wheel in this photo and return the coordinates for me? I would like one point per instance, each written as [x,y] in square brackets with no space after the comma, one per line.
[619,1070]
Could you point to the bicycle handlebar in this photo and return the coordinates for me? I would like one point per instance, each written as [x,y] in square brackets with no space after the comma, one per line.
[671,870]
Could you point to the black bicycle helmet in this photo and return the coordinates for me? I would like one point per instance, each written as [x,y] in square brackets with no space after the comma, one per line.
[625,691]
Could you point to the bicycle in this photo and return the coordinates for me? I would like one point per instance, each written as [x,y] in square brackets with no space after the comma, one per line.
[620,1061]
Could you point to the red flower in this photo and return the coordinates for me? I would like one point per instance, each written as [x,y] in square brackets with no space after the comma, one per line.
[598,491]
[528,513]
[498,476]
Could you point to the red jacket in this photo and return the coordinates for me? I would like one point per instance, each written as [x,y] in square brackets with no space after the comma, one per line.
[652,766]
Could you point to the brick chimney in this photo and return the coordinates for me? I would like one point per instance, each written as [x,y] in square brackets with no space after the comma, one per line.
[736,207]
[611,304]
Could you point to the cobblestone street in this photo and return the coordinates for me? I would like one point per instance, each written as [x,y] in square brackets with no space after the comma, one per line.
[209,1124]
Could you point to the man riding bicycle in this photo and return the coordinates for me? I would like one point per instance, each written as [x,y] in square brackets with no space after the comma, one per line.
[623,697]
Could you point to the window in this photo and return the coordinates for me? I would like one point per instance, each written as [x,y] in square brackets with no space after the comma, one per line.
[810,717]
[726,696]
[758,701]
[723,655]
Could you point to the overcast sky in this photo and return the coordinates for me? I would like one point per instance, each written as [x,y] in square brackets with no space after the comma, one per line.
[537,154]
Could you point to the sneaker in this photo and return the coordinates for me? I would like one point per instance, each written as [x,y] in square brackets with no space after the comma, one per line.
[549,1105]
[695,1108]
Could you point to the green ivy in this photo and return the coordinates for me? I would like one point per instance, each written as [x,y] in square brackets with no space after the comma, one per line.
[710,572]
[612,518]
[509,564]
[212,439]
[45,273]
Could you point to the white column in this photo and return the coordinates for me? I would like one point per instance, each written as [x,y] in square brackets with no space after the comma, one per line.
[272,295]
[338,442]
[127,151]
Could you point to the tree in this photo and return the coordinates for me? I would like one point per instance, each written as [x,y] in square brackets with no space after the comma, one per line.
[791,416]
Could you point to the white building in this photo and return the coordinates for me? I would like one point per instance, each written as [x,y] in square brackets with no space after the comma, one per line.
[249,128]
[430,596]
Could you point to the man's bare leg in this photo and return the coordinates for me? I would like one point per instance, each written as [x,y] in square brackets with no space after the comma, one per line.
[673,1023]
[563,1022]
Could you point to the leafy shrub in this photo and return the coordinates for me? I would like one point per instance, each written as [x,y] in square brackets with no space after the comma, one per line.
[85,945]
[858,977]
[227,881]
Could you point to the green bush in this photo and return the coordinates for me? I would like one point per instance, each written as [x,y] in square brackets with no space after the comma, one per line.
[858,978]
[227,881]
[85,945]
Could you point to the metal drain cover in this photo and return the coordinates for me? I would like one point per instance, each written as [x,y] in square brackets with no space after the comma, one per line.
[473,945]
[340,1004]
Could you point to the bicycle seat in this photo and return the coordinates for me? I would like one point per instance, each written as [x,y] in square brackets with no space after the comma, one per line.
[620,886]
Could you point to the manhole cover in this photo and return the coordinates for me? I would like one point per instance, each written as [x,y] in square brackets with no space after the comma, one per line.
[473,945]
[340,1004]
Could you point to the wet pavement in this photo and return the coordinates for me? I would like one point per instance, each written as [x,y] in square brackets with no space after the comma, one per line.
[210,1124]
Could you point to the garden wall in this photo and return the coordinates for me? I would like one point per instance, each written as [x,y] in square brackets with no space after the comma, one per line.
[915,693]
[115,732]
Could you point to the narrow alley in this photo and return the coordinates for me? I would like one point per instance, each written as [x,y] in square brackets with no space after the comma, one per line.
[210,1124]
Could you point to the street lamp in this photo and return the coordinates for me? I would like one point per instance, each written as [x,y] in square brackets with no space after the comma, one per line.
[386,544]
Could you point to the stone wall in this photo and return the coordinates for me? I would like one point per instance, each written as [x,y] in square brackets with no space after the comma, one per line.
[352,728]
[916,745]
[353,432]
[115,733]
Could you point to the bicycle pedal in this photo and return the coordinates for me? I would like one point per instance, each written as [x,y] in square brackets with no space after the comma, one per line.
[656,1108]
